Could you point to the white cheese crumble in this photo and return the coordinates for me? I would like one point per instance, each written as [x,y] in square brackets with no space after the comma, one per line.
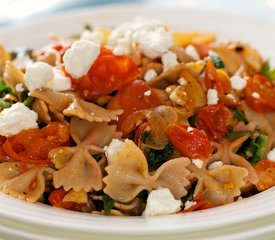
[189,204]
[149,35]
[212,97]
[114,146]
[94,36]
[214,165]
[149,75]
[238,83]
[192,52]
[182,81]
[198,163]
[148,93]
[271,155]
[79,58]
[17,118]
[255,95]
[19,87]
[42,75]
[169,60]
[37,75]
[161,202]
[60,82]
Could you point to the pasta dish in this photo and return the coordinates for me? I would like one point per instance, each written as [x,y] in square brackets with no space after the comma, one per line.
[137,120]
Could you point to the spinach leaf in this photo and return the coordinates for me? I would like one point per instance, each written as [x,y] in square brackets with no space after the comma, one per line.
[239,115]
[253,148]
[266,71]
[217,61]
[156,158]
[236,134]
[108,204]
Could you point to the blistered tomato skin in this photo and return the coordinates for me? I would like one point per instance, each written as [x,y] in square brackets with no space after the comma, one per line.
[260,94]
[214,120]
[132,98]
[108,74]
[33,145]
[189,141]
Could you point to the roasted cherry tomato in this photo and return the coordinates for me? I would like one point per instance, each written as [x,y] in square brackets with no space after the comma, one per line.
[3,154]
[108,74]
[260,94]
[56,200]
[219,80]
[200,204]
[265,170]
[132,98]
[189,141]
[33,145]
[214,120]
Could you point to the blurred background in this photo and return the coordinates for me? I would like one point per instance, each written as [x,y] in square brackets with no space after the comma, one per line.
[21,11]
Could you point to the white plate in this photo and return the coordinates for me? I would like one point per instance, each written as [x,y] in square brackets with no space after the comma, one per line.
[248,219]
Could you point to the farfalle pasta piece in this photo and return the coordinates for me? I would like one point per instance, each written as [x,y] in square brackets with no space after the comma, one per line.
[90,111]
[99,134]
[13,76]
[4,57]
[81,172]
[71,105]
[8,171]
[57,100]
[29,185]
[128,169]
[221,185]
[76,196]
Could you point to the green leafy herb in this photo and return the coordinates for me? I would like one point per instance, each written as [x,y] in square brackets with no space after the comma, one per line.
[108,204]
[4,104]
[144,136]
[236,134]
[253,148]
[88,27]
[217,61]
[239,115]
[266,71]
[29,101]
[156,158]
[4,88]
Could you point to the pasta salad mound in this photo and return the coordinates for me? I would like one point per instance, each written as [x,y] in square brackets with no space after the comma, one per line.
[138,120]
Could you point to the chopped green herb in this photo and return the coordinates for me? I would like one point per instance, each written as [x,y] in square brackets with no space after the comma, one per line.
[239,115]
[266,71]
[217,61]
[253,148]
[144,136]
[88,27]
[108,204]
[29,101]
[156,158]
[236,134]
[4,104]
[4,88]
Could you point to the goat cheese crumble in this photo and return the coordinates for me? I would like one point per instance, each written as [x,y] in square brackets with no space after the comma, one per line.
[80,57]
[161,202]
[17,118]
[271,155]
[212,97]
